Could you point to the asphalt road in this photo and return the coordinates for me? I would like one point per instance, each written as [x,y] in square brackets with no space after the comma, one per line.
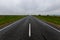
[29,28]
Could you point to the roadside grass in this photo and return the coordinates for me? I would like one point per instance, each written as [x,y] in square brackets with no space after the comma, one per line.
[51,19]
[7,19]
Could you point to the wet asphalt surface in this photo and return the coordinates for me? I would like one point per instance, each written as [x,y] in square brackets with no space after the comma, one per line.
[20,30]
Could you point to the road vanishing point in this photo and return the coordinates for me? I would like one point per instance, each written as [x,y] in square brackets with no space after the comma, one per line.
[29,28]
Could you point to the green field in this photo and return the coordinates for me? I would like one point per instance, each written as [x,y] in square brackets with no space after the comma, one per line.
[51,19]
[7,19]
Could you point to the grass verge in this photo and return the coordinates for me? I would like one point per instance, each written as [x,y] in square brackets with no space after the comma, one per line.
[55,20]
[7,19]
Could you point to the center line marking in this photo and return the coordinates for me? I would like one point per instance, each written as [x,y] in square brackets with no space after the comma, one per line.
[29,29]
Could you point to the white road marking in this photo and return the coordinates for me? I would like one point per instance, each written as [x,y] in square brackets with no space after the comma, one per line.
[11,24]
[29,29]
[54,28]
[7,26]
[49,26]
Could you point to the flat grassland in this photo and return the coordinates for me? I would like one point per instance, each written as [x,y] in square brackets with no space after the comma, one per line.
[7,19]
[55,20]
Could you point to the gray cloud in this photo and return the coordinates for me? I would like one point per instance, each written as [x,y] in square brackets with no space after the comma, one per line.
[29,6]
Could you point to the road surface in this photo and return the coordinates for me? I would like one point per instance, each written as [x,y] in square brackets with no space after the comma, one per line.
[29,28]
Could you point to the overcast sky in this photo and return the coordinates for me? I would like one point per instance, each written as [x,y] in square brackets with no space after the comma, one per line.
[30,7]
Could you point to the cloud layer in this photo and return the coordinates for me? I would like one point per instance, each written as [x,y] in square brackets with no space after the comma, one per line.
[29,6]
